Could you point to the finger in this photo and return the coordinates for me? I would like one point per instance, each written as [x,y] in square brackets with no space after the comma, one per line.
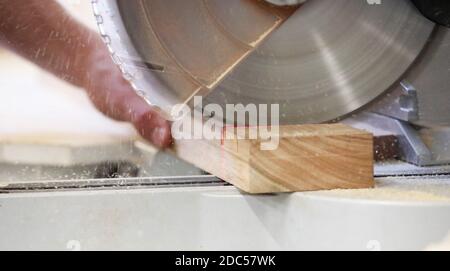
[126,105]
[148,121]
[153,127]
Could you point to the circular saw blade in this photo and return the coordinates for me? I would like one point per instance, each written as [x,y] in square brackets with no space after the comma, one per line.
[329,59]
[171,51]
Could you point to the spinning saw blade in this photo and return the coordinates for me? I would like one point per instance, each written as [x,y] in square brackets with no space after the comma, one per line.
[319,61]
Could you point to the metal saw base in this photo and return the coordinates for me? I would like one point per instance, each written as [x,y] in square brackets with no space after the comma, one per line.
[400,214]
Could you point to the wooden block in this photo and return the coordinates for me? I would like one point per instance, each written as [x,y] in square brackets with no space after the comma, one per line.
[308,158]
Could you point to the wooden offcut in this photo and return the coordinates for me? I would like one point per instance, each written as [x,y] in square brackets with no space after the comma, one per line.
[308,158]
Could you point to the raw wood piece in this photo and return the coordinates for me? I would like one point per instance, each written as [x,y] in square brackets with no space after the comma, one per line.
[308,157]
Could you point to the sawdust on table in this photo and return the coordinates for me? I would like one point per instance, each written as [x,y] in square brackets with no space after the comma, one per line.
[407,189]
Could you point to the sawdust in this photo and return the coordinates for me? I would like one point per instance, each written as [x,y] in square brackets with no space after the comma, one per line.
[400,190]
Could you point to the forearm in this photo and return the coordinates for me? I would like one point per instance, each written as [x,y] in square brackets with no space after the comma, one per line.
[43,32]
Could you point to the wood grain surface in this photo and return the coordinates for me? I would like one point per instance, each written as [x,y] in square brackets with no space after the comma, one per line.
[308,158]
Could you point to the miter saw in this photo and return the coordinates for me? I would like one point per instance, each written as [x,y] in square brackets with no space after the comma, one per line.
[381,65]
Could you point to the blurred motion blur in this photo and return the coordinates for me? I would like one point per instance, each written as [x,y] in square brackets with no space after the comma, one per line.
[51,130]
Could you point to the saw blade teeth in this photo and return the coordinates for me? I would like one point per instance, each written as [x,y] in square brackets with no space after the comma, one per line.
[173,52]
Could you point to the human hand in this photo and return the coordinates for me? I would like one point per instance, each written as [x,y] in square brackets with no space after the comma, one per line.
[115,97]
